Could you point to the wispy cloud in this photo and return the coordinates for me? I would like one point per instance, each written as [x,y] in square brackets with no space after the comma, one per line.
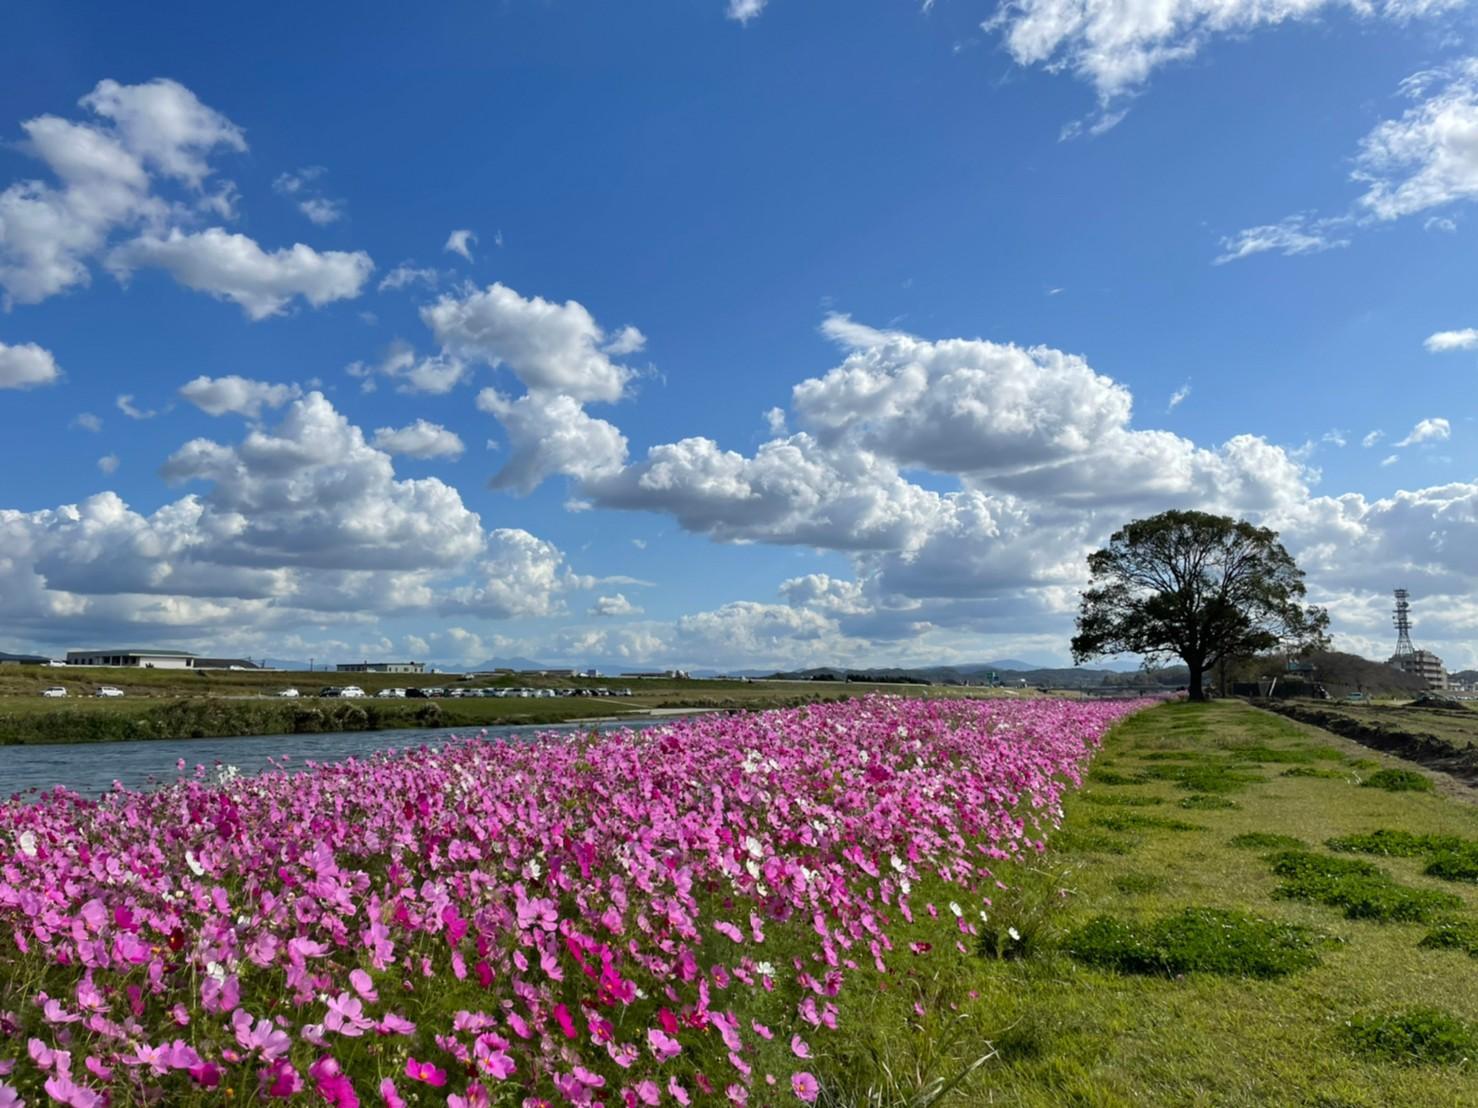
[1298,234]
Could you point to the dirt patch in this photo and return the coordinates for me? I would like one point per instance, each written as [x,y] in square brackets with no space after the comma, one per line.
[1459,760]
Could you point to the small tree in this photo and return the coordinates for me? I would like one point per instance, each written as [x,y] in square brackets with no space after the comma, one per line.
[1194,586]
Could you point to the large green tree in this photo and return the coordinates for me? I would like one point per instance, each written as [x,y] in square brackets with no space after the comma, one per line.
[1194,586]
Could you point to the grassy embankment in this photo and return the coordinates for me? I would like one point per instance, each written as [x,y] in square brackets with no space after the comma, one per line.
[1364,982]
[174,704]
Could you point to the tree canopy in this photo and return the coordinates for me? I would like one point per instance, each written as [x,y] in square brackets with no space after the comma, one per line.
[1194,586]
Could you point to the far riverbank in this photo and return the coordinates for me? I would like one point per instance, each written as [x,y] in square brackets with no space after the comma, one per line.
[154,711]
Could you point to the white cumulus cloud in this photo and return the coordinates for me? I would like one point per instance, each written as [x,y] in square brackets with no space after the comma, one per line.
[219,395]
[421,439]
[26,366]
[233,267]
[614,606]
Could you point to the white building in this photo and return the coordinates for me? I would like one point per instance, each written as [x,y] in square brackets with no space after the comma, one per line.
[1424,664]
[381,667]
[141,659]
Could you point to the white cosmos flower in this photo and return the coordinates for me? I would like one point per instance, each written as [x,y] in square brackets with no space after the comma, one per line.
[956,909]
[195,867]
[1015,934]
[26,840]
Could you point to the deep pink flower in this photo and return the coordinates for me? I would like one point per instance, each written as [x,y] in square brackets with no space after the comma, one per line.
[425,1072]
[804,1085]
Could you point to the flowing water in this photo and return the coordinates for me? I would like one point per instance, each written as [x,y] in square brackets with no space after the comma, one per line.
[91,768]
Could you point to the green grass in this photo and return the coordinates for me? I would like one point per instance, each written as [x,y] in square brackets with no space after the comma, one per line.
[1363,890]
[1205,802]
[1138,821]
[1265,840]
[1196,940]
[1455,865]
[1453,935]
[1395,844]
[1415,1035]
[1120,800]
[1398,780]
[1310,771]
[1062,1031]
[1450,857]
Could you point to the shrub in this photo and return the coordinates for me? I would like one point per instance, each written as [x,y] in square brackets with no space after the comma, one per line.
[1265,840]
[1453,935]
[1455,865]
[1398,781]
[1205,802]
[1364,891]
[1413,1035]
[1196,940]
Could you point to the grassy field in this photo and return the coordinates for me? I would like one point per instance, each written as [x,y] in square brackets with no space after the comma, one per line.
[173,704]
[1299,975]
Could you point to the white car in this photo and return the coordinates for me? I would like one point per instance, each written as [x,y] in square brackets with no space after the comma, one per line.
[54,691]
[291,694]
[391,694]
[351,692]
[108,691]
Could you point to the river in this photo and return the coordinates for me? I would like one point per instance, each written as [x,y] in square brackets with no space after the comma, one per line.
[91,768]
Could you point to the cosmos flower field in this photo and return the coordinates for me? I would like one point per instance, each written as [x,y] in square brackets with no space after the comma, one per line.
[670,916]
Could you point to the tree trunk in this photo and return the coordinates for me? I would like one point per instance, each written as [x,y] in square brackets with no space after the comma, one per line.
[1197,666]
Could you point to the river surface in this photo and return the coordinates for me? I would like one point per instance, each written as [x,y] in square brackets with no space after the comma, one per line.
[91,768]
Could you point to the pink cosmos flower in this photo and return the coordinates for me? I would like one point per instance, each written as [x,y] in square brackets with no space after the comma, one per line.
[346,1016]
[663,1045]
[804,1085]
[390,1095]
[332,1084]
[425,1072]
[280,1079]
[800,1047]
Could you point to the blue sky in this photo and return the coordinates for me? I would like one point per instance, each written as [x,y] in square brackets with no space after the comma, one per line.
[910,291]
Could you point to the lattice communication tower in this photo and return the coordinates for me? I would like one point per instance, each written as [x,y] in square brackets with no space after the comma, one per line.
[1402,619]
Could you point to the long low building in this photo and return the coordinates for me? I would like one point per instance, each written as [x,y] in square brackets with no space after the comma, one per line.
[381,667]
[141,659]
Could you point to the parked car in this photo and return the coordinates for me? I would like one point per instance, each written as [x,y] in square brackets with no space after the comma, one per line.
[351,692]
[389,694]
[54,691]
[108,690]
[330,691]
[416,692]
[291,694]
